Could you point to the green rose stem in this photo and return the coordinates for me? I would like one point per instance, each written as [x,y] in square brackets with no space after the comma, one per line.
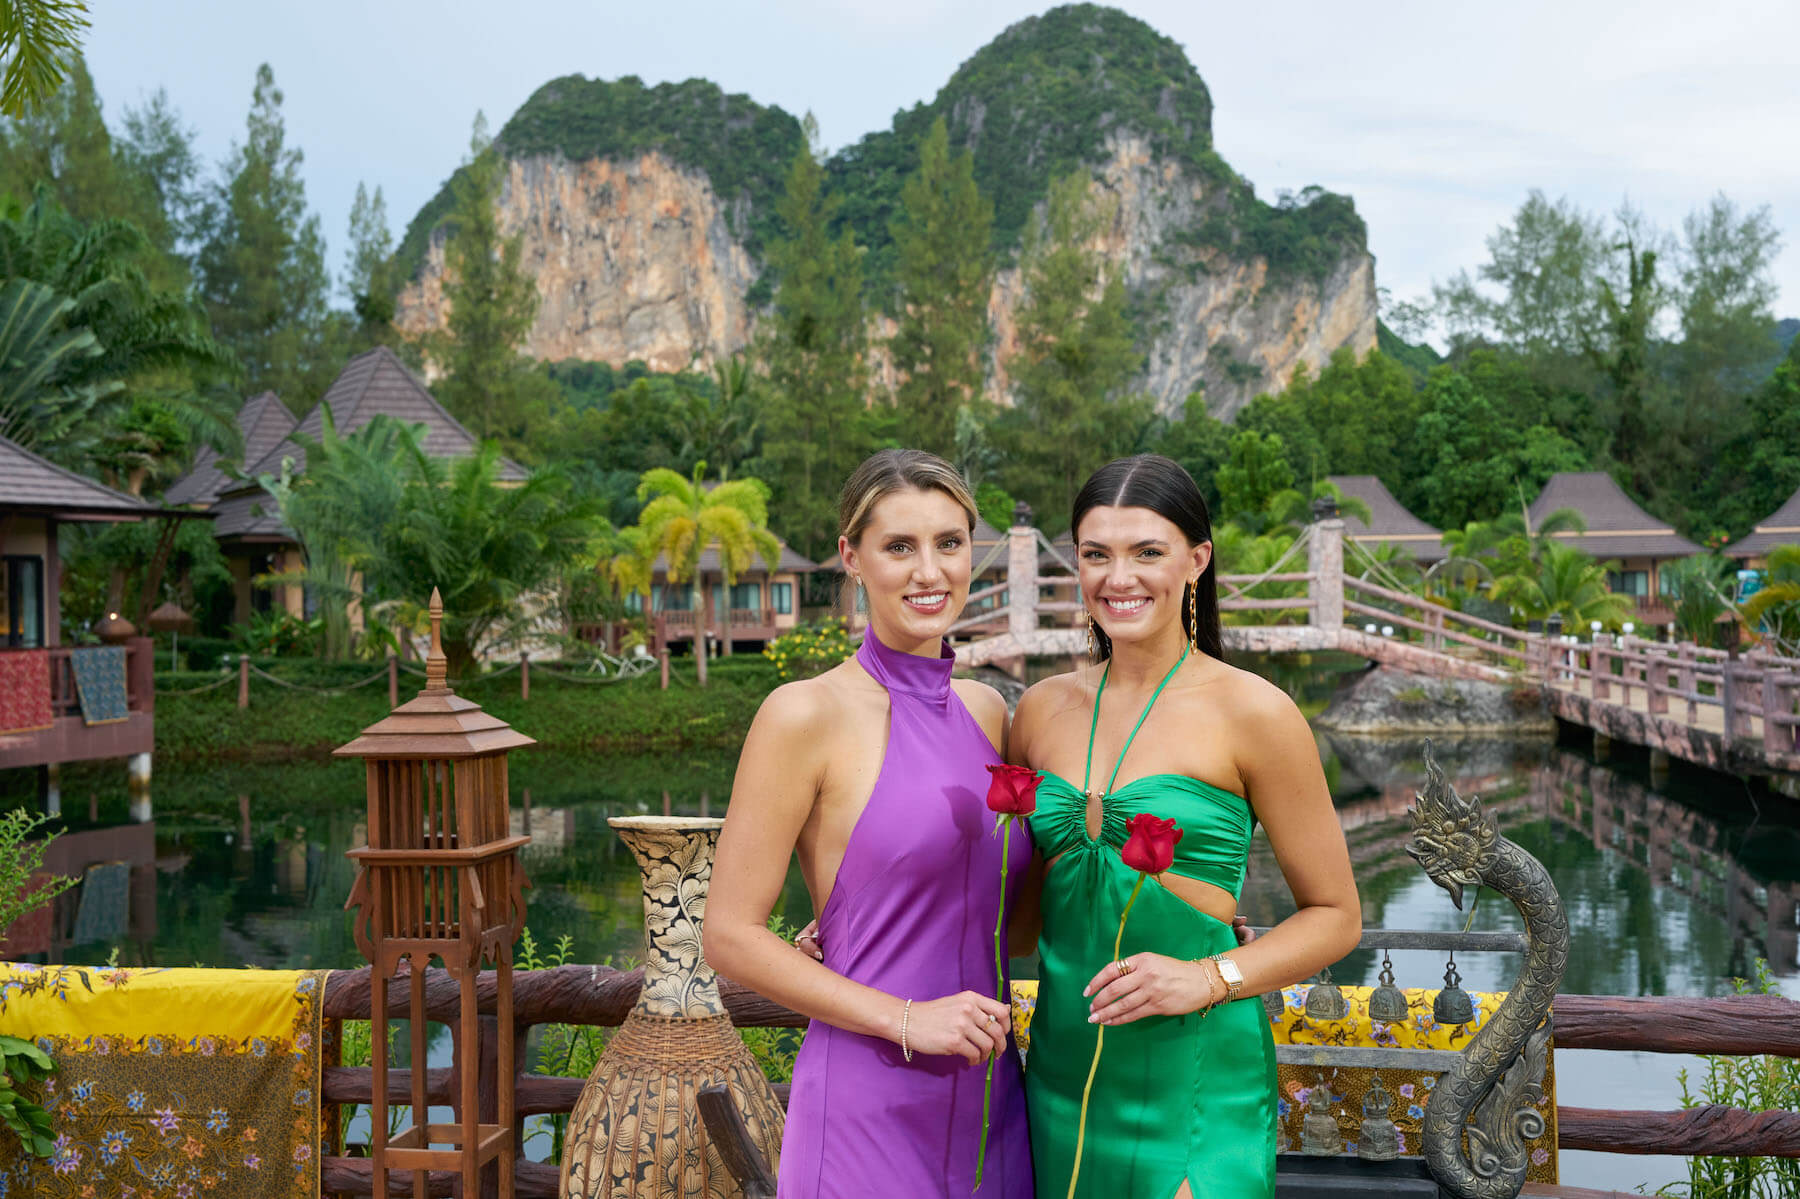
[1099,1041]
[1003,826]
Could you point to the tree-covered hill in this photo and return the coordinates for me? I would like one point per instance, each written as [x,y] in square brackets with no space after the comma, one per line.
[1042,99]
[743,147]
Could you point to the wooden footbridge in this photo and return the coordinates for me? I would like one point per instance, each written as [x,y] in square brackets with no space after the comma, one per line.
[1728,712]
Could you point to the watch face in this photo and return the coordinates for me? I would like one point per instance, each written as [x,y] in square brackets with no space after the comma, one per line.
[1228,970]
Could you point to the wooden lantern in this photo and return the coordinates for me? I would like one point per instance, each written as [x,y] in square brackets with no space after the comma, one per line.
[439,878]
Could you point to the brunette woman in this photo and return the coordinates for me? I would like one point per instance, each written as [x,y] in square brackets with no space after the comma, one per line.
[1183,1103]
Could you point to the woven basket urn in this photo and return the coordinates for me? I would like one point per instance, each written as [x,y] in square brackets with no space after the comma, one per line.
[635,1132]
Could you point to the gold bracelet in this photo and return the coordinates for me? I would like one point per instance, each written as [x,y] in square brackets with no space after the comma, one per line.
[905,1019]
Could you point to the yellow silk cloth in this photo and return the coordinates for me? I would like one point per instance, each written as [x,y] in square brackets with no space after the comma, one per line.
[1407,1089]
[184,1083]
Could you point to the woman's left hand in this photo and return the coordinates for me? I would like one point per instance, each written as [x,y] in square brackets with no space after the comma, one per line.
[1152,985]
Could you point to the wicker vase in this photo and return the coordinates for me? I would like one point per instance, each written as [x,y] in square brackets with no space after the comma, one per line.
[636,1133]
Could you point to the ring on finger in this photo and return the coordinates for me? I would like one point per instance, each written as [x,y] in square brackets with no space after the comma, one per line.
[1124,967]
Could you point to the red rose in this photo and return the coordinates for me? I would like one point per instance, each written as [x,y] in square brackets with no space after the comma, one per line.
[1013,791]
[1151,847]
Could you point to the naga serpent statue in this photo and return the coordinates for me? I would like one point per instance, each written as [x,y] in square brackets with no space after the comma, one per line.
[1488,1095]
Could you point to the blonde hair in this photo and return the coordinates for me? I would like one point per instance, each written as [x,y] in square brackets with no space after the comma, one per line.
[888,471]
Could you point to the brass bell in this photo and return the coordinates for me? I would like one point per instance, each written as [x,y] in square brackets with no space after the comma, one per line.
[1319,1132]
[1387,1003]
[1452,1005]
[1324,1001]
[1379,1141]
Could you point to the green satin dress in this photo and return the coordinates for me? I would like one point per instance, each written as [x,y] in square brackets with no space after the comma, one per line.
[1176,1097]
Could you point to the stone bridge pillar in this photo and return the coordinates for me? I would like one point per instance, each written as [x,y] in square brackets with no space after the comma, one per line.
[1021,574]
[1325,562]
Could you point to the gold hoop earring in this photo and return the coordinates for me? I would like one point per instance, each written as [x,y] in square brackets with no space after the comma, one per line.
[1194,616]
[1093,641]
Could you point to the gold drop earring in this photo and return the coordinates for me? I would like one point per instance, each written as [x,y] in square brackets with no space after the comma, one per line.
[1194,616]
[1093,641]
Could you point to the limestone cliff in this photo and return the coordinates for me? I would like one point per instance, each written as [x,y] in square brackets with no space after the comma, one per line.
[633,260]
[644,211]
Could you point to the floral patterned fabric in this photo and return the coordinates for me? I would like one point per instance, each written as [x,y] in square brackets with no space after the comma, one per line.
[182,1083]
[1408,1089]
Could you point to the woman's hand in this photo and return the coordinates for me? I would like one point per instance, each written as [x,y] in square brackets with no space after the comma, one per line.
[807,941]
[966,1025]
[1152,985]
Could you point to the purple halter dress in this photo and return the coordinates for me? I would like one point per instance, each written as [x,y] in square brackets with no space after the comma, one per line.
[912,913]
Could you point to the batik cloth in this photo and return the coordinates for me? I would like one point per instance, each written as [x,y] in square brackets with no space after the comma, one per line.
[181,1083]
[25,690]
[100,683]
[1407,1089]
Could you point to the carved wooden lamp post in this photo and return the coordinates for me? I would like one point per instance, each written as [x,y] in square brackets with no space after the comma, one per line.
[440,878]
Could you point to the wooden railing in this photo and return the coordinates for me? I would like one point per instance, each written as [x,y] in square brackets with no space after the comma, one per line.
[594,995]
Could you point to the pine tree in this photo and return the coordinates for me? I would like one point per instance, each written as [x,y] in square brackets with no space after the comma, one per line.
[262,264]
[945,271]
[1074,359]
[368,267]
[811,350]
[488,385]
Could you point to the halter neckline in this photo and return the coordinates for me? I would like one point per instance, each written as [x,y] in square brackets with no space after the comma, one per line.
[910,674]
[1094,724]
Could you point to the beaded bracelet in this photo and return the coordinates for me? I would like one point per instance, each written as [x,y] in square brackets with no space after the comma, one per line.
[905,1019]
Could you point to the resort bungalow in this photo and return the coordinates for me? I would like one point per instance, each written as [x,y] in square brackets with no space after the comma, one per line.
[1390,523]
[59,704]
[760,606]
[247,525]
[1780,527]
[1617,530]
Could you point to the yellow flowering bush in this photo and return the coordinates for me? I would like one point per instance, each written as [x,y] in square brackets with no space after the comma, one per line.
[810,650]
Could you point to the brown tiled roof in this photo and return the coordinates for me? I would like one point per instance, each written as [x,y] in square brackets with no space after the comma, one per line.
[378,382]
[1391,524]
[1616,526]
[264,422]
[1780,527]
[32,484]
[789,562]
[371,383]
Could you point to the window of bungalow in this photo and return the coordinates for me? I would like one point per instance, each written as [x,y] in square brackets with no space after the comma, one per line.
[1628,582]
[24,592]
[634,601]
[781,598]
[674,597]
[746,597]
[718,597]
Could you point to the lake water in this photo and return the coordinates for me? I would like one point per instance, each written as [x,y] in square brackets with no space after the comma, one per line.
[1666,880]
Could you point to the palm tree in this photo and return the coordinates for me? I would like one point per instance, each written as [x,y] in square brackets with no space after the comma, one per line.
[1697,586]
[687,517]
[1563,581]
[1775,608]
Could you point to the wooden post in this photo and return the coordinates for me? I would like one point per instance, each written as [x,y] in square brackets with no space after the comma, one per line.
[1656,682]
[701,650]
[524,675]
[1728,696]
[243,680]
[1325,562]
[662,657]
[1779,690]
[1684,679]
[1597,671]
[393,665]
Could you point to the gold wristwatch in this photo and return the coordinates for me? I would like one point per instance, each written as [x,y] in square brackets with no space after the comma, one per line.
[1229,974]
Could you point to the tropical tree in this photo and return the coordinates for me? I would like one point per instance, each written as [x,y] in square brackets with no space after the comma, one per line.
[1239,551]
[94,345]
[685,517]
[1775,608]
[1698,587]
[352,487]
[38,40]
[495,550]
[1563,581]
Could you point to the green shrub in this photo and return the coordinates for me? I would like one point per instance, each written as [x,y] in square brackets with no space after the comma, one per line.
[810,650]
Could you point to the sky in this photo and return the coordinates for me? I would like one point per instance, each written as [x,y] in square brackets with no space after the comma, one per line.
[1437,119]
